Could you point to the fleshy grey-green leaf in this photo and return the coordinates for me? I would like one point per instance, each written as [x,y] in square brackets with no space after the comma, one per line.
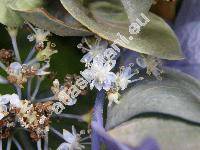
[27,4]
[7,16]
[170,134]
[177,94]
[65,25]
[149,41]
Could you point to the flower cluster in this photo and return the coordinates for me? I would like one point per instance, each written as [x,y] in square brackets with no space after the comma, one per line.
[7,103]
[15,112]
[35,118]
[152,64]
[29,114]
[100,62]
[19,73]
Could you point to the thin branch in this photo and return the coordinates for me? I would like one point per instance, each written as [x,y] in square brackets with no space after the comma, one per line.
[30,55]
[85,138]
[1,146]
[17,144]
[9,142]
[39,145]
[45,99]
[70,116]
[56,132]
[39,80]
[30,25]
[15,47]
[135,8]
[3,80]
[86,143]
[32,61]
[29,88]
[2,66]
[46,142]
[19,91]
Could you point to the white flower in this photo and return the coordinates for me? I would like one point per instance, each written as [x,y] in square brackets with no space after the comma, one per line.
[94,49]
[15,69]
[61,93]
[124,77]
[152,64]
[99,74]
[12,99]
[3,111]
[5,100]
[72,141]
[42,119]
[40,35]
[113,97]
[15,101]
[3,107]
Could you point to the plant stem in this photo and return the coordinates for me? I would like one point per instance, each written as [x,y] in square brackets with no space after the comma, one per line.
[32,61]
[39,145]
[3,80]
[1,146]
[9,142]
[30,55]
[97,118]
[70,116]
[56,132]
[85,138]
[46,142]
[45,99]
[29,88]
[86,143]
[19,91]
[2,66]
[133,8]
[39,80]
[128,7]
[17,144]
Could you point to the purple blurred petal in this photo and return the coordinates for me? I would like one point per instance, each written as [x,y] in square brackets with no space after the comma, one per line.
[187,28]
[106,139]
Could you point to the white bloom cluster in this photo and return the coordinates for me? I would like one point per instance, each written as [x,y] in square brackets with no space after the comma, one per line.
[61,94]
[19,73]
[7,102]
[100,61]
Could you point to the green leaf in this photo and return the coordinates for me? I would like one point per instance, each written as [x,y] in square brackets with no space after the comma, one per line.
[55,20]
[177,95]
[7,16]
[156,38]
[170,134]
[27,4]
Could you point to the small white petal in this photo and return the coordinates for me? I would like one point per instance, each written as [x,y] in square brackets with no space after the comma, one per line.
[74,130]
[69,137]
[3,108]
[15,101]
[4,99]
[140,62]
[71,102]
[1,116]
[64,146]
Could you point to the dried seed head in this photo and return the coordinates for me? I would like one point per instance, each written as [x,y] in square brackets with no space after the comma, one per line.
[6,55]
